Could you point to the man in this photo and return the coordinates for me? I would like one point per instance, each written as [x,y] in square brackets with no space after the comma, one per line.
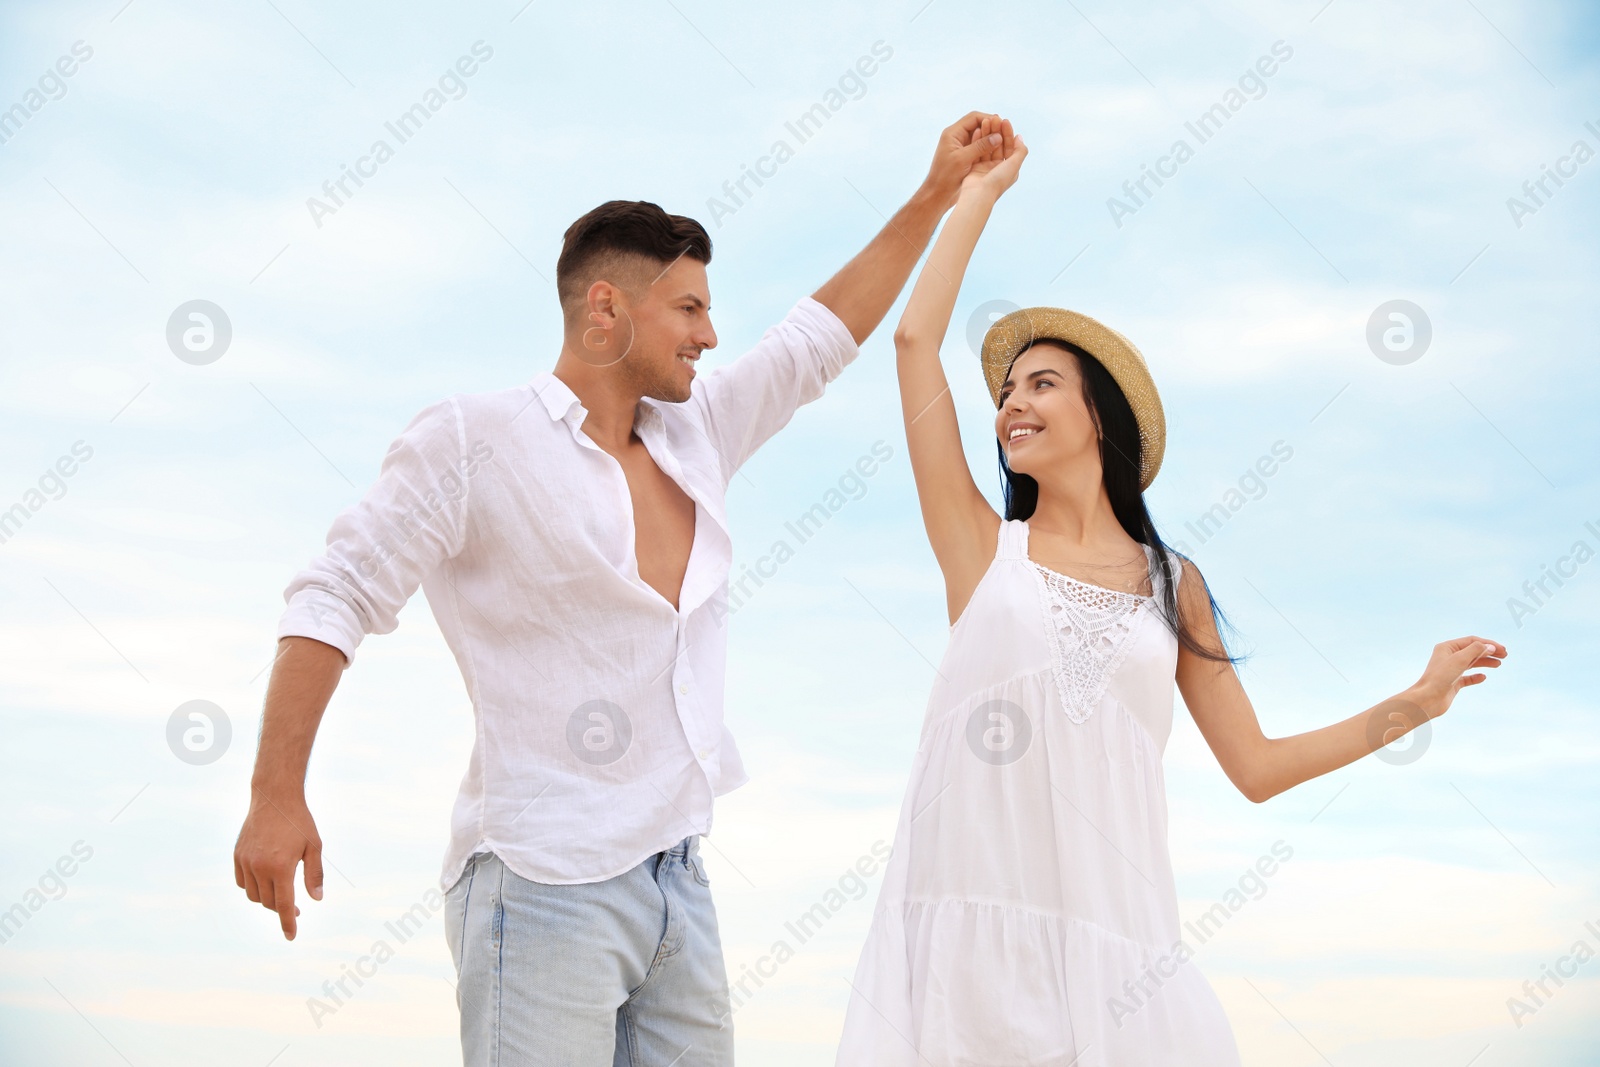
[570,537]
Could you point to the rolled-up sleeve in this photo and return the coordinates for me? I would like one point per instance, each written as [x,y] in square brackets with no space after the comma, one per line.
[411,520]
[747,401]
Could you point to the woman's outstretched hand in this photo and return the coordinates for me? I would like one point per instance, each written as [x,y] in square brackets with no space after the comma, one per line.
[996,167]
[1445,675]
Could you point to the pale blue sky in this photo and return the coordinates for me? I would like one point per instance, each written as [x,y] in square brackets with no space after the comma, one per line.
[1376,165]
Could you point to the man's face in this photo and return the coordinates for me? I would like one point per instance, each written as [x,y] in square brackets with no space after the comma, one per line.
[670,320]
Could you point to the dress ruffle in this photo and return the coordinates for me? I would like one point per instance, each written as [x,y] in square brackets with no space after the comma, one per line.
[1069,993]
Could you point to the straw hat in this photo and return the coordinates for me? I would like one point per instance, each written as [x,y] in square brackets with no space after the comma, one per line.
[1016,331]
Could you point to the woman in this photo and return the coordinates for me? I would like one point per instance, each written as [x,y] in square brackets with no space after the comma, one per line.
[1028,913]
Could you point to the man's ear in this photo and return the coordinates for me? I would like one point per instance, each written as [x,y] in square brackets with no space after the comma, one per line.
[606,311]
[604,304]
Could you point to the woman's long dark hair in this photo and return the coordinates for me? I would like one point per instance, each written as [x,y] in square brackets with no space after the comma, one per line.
[1121,453]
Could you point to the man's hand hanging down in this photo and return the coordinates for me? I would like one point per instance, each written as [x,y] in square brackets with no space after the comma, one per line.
[278,833]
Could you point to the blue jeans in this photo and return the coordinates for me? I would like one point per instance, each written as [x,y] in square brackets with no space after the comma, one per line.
[625,972]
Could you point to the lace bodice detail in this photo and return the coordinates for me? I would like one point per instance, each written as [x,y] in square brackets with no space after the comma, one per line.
[1089,630]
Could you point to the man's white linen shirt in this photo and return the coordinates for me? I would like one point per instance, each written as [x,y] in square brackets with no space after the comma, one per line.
[598,706]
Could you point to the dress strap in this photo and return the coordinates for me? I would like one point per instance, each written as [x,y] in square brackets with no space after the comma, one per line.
[1013,540]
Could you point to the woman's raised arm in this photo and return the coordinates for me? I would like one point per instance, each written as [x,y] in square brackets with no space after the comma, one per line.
[961,525]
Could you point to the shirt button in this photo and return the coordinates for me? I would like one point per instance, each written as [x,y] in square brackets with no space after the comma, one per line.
[683,689]
[702,753]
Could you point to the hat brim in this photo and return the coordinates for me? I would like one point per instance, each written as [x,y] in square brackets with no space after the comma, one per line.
[1014,332]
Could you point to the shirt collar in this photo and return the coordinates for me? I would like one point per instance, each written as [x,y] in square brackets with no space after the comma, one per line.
[649,414]
[558,399]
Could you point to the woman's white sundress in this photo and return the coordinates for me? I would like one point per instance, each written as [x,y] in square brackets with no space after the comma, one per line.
[1028,913]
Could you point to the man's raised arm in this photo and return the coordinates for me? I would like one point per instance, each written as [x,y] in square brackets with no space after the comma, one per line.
[864,290]
[747,401]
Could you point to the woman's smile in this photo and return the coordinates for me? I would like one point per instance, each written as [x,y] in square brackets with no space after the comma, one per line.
[1022,431]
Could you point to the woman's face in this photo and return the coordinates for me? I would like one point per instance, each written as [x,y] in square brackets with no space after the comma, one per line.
[1043,422]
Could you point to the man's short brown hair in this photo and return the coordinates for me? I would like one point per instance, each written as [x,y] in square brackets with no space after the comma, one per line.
[626,242]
